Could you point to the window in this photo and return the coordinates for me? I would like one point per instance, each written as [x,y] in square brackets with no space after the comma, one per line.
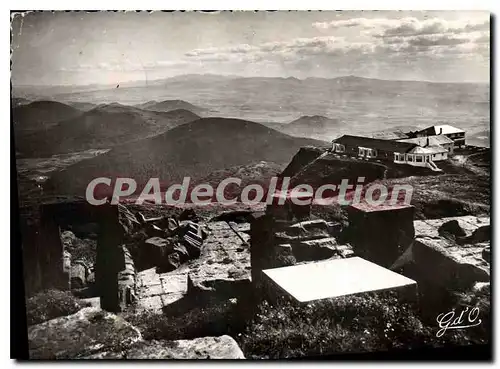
[399,157]
[339,148]
[410,158]
[419,159]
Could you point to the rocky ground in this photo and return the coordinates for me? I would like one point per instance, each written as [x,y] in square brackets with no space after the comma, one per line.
[450,252]
[102,335]
[222,270]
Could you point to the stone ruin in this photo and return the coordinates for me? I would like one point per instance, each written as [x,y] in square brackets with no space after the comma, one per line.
[287,234]
[48,265]
[181,261]
[448,254]
[220,272]
[233,259]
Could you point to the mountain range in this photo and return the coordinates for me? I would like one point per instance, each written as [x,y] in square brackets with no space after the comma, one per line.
[361,104]
[103,127]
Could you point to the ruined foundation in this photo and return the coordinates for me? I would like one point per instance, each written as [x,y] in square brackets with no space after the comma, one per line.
[48,266]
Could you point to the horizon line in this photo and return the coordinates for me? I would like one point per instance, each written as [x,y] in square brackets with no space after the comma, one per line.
[234,76]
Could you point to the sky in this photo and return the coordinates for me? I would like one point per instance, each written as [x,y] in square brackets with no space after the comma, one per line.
[79,48]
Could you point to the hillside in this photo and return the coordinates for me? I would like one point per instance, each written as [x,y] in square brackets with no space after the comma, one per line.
[195,149]
[169,105]
[461,189]
[315,126]
[40,115]
[253,173]
[100,128]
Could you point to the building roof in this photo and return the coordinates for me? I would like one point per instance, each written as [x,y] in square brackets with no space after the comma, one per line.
[429,150]
[447,129]
[433,140]
[390,135]
[375,143]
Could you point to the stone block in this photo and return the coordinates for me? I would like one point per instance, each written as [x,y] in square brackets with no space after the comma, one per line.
[335,278]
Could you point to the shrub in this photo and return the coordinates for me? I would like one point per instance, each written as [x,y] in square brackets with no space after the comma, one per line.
[211,320]
[51,304]
[480,299]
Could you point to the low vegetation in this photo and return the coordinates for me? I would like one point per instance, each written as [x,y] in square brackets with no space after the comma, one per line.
[51,304]
[351,324]
[211,320]
[368,323]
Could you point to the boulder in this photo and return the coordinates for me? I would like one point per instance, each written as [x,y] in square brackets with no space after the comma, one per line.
[481,234]
[455,262]
[85,333]
[430,227]
[223,347]
[449,265]
[451,229]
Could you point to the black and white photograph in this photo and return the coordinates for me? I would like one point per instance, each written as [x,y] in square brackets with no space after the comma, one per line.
[253,185]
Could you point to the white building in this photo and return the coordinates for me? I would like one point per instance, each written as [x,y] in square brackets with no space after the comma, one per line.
[398,152]
[423,157]
[453,133]
[439,140]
